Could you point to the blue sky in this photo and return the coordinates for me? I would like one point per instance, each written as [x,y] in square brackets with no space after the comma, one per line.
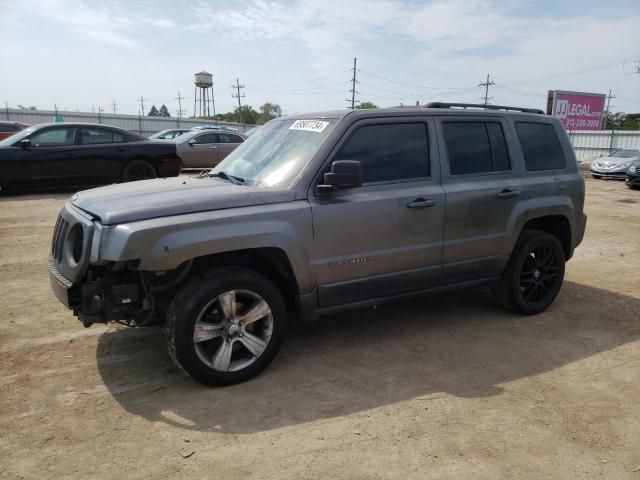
[81,53]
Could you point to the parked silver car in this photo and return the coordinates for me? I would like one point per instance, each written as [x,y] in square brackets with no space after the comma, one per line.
[614,165]
[206,148]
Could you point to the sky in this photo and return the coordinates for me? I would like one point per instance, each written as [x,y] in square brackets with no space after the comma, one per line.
[84,54]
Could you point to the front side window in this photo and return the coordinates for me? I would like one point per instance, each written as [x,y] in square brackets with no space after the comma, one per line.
[91,136]
[540,146]
[398,151]
[475,147]
[54,137]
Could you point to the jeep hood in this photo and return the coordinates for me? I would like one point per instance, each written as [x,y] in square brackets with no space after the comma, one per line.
[130,202]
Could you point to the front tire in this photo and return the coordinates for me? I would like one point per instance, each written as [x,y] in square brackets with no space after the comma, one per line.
[533,276]
[138,170]
[226,326]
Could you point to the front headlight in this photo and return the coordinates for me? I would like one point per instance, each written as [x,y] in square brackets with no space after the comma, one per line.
[626,165]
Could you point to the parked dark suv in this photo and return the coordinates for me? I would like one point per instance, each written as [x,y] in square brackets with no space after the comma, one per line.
[324,212]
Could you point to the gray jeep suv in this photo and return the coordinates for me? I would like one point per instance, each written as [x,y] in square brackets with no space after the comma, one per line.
[323,212]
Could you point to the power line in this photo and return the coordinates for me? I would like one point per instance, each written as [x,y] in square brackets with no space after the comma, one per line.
[580,71]
[239,96]
[486,86]
[324,77]
[410,84]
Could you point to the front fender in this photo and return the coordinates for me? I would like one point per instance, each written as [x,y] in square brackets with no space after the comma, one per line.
[165,243]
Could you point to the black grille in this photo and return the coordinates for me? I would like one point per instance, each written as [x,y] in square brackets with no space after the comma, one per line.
[59,234]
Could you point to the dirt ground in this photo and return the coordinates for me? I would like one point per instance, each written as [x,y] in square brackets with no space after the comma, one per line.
[448,386]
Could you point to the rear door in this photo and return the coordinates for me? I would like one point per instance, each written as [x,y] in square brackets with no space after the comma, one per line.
[227,143]
[101,153]
[384,237]
[483,186]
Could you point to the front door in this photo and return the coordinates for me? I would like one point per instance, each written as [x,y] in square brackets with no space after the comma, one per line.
[483,186]
[203,151]
[52,151]
[384,237]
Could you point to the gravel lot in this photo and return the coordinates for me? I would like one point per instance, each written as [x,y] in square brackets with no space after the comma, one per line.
[448,386]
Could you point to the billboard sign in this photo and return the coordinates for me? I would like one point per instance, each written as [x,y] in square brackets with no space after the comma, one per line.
[576,110]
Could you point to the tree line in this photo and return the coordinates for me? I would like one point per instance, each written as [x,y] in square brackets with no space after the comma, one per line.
[245,114]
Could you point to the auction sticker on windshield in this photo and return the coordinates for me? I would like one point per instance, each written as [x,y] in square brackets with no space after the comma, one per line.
[309,125]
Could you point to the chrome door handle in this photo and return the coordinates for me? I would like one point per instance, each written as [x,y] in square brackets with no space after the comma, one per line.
[213,148]
[507,193]
[421,203]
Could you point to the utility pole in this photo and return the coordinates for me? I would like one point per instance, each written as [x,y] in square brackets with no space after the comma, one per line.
[237,87]
[139,121]
[6,109]
[486,86]
[100,110]
[55,107]
[179,98]
[141,104]
[605,114]
[114,105]
[353,86]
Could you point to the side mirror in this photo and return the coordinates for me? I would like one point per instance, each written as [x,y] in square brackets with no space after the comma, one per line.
[191,142]
[25,143]
[343,174]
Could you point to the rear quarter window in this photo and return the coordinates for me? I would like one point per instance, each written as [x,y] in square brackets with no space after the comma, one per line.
[540,146]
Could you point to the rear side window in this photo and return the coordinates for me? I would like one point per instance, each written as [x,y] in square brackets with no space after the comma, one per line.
[475,147]
[398,151]
[206,138]
[90,136]
[7,127]
[540,146]
[228,138]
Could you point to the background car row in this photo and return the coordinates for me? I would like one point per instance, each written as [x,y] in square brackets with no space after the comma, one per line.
[82,153]
[620,164]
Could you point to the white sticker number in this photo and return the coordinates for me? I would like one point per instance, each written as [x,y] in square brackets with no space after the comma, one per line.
[309,125]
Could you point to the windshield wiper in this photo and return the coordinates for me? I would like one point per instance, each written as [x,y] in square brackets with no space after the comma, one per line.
[232,178]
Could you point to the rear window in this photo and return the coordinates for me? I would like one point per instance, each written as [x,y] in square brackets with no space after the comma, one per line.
[540,146]
[475,147]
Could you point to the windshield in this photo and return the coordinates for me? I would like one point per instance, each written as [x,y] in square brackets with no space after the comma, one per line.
[16,137]
[277,153]
[626,154]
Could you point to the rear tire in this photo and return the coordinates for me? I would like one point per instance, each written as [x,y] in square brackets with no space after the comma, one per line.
[597,177]
[138,170]
[226,326]
[533,276]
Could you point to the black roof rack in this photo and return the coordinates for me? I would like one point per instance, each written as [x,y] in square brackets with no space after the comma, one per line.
[480,105]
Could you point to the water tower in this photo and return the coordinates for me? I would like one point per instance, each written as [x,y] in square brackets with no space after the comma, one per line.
[203,95]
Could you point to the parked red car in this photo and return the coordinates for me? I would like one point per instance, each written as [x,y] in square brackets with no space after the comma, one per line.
[9,128]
